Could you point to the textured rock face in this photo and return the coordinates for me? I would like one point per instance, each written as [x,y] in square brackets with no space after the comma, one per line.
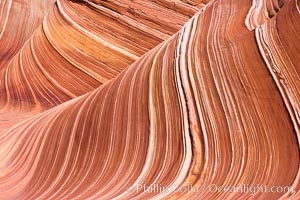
[76,48]
[100,99]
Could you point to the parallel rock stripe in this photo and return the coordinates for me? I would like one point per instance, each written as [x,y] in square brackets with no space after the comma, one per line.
[215,103]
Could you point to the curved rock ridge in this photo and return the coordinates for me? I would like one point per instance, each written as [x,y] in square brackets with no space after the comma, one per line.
[262,11]
[78,47]
[18,20]
[216,103]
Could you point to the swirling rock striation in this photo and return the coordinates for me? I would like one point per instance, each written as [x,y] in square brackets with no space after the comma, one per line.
[217,102]
[77,44]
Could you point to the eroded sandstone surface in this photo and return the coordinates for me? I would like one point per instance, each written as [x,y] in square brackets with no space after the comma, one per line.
[100,97]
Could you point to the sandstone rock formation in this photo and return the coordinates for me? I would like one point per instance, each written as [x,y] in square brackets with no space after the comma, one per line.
[101,97]
[76,48]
